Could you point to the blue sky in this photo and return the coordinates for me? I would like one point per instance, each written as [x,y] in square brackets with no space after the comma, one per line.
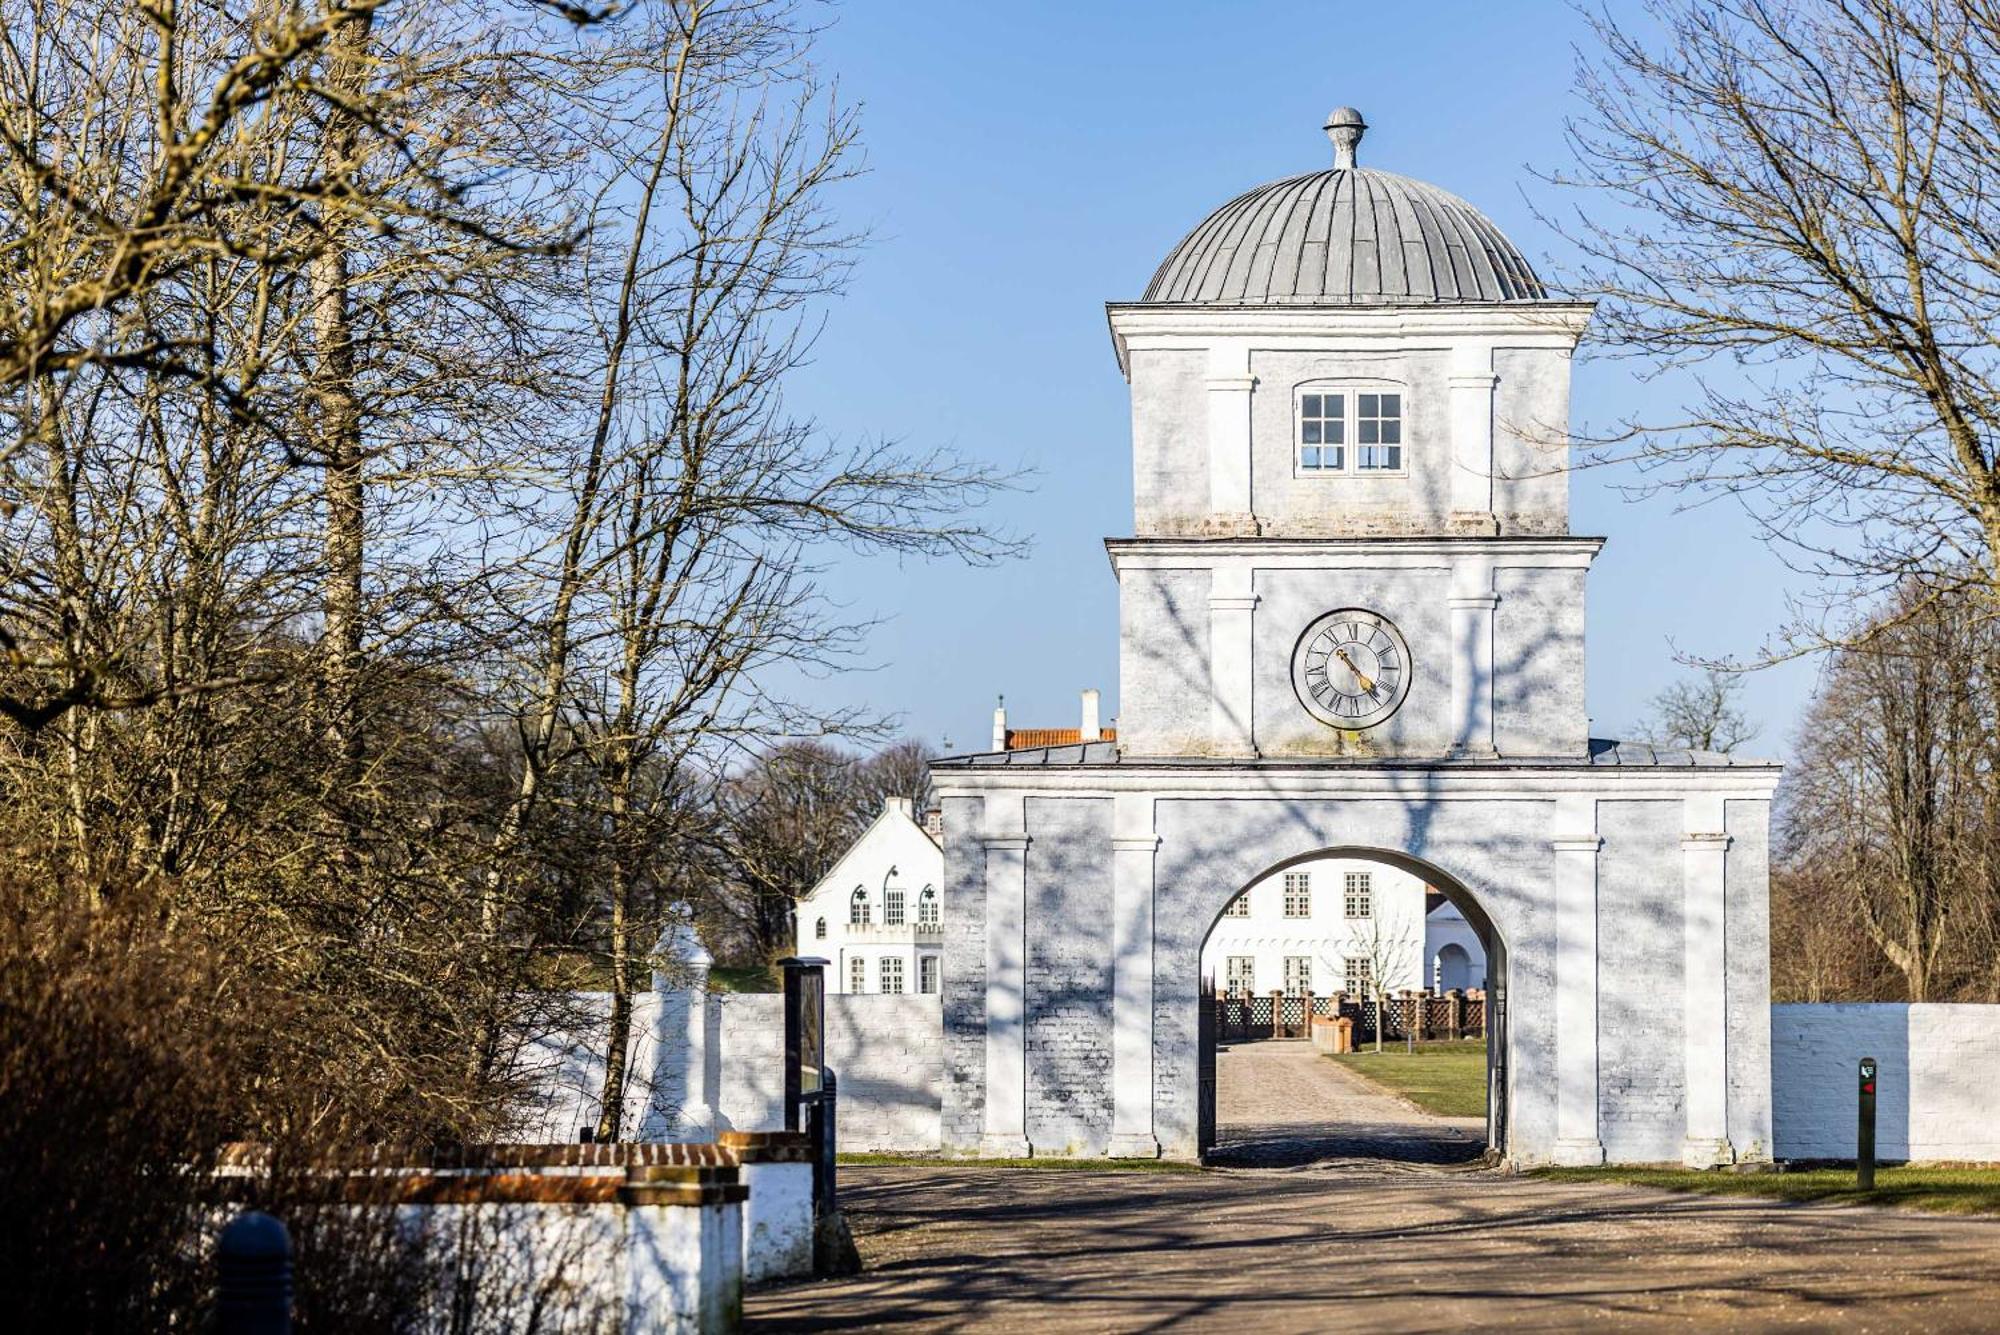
[1030,161]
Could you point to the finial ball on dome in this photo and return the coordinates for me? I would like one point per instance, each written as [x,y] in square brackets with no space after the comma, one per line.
[1345,127]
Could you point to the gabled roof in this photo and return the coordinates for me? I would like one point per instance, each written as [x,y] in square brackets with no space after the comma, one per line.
[889,815]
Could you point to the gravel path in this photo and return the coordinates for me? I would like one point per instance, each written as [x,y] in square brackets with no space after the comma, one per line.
[1282,1105]
[1020,1250]
[1362,1214]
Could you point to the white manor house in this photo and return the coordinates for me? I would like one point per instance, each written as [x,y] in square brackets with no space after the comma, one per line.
[1351,629]
[1331,925]
[876,917]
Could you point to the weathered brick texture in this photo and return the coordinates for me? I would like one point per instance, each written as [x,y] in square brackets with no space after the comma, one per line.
[1938,1080]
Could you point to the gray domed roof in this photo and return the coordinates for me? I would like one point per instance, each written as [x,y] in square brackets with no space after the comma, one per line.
[1349,236]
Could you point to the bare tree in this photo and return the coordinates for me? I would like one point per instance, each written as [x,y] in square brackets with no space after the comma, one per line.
[1388,950]
[1893,798]
[696,507]
[1701,715]
[1804,206]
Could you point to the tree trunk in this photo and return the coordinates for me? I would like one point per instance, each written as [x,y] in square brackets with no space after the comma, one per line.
[618,1038]
[338,404]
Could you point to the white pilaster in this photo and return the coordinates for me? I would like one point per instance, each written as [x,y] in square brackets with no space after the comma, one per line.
[1576,842]
[1231,607]
[1473,605]
[1704,887]
[1006,849]
[1133,846]
[1229,386]
[1472,382]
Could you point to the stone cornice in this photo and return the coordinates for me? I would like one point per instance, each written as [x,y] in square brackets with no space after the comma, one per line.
[1436,781]
[1556,324]
[1430,550]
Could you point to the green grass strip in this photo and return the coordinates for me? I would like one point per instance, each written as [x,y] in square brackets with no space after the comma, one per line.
[1447,1078]
[1942,1190]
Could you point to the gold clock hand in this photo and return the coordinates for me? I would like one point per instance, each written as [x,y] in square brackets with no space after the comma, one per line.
[1360,676]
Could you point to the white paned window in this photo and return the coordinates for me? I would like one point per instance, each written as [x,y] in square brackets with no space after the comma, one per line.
[892,975]
[1360,894]
[1378,432]
[1298,894]
[1298,974]
[857,974]
[892,906]
[927,907]
[857,908]
[1360,974]
[1322,433]
[927,974]
[1349,432]
[1239,974]
[819,930]
[1239,907]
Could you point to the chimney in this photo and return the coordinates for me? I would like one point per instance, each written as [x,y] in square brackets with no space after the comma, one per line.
[900,805]
[1090,732]
[1000,725]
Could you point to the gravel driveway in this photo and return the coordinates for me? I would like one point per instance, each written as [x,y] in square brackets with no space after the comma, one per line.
[1343,1242]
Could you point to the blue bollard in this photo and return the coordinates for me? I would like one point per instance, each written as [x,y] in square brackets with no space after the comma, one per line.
[254,1260]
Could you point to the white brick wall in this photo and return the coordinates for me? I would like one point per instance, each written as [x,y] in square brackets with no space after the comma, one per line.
[888,1052]
[1938,1085]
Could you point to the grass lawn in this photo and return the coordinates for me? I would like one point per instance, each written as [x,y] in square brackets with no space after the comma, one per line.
[1944,1190]
[746,978]
[1052,1165]
[1445,1078]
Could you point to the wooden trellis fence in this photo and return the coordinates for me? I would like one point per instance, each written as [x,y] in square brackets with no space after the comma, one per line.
[1249,1017]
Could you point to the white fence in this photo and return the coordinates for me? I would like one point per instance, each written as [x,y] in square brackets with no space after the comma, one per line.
[1938,1083]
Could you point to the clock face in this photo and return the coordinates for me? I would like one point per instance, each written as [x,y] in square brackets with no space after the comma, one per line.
[1351,669]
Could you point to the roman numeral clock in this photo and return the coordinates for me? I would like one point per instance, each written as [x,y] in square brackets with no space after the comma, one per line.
[1351,668]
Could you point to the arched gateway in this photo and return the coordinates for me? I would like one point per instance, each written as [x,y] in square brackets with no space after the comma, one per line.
[1352,618]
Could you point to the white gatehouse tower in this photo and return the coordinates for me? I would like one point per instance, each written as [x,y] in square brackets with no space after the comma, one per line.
[1352,624]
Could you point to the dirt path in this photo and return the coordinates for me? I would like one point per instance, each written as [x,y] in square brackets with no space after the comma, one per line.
[1341,1249]
[1280,1105]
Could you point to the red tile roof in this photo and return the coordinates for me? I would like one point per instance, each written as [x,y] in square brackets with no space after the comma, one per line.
[1023,739]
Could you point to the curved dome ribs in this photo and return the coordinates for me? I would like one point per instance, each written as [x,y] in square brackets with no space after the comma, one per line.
[1348,236]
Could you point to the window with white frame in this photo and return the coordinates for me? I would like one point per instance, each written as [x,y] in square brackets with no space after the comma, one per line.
[1350,431]
[1322,432]
[857,974]
[892,975]
[1239,974]
[1298,974]
[857,907]
[892,906]
[819,930]
[1298,894]
[1378,433]
[927,907]
[1360,974]
[1239,907]
[1360,894]
[927,975]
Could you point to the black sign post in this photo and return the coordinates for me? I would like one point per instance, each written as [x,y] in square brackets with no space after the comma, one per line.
[809,1085]
[805,1032]
[1864,1146]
